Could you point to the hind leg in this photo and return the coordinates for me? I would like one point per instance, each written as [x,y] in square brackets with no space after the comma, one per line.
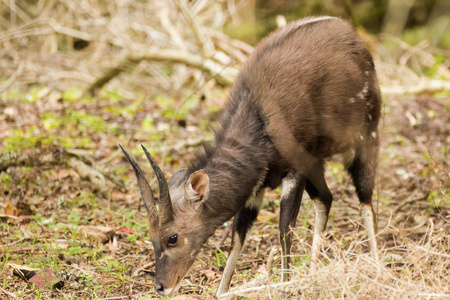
[362,170]
[322,199]
[291,198]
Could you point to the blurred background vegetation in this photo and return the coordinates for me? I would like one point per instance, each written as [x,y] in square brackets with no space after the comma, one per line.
[411,20]
[67,44]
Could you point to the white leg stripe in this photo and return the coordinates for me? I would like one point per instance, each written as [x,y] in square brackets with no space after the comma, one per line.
[230,265]
[369,223]
[319,226]
[321,216]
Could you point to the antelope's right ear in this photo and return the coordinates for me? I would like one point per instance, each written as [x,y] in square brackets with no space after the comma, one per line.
[197,188]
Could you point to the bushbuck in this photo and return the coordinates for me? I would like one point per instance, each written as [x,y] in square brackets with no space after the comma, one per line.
[308,91]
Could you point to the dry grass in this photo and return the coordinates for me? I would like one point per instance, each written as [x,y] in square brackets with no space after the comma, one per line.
[410,269]
[72,43]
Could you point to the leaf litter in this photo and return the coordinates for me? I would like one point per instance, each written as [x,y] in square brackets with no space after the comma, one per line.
[98,244]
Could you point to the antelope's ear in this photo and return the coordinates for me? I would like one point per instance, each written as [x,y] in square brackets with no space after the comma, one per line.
[178,179]
[197,188]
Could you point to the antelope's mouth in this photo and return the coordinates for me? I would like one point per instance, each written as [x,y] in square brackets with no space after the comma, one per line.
[177,286]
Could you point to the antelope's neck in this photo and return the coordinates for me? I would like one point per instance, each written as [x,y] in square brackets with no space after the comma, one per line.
[237,162]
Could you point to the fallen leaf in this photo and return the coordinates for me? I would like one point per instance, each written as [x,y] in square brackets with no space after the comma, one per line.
[64,174]
[46,278]
[97,233]
[11,210]
[210,275]
[23,272]
[123,229]
[267,216]
[262,269]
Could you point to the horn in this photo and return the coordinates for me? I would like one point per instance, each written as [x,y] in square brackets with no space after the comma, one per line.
[165,204]
[146,194]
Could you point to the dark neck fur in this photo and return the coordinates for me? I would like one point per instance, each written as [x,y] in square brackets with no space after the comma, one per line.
[237,159]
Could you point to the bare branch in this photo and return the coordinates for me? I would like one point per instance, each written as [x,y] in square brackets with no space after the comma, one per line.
[224,75]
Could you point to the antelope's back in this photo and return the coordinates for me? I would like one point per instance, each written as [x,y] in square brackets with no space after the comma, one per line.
[320,76]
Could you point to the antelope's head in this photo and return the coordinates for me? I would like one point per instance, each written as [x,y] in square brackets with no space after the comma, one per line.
[178,228]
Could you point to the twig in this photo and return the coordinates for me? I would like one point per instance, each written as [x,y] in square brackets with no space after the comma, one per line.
[149,265]
[433,252]
[270,258]
[406,202]
[7,293]
[12,78]
[260,288]
[144,284]
[206,45]
[224,236]
[8,216]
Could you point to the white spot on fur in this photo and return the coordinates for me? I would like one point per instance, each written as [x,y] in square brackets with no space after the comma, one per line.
[254,200]
[369,116]
[288,185]
[165,252]
[361,137]
[374,134]
[367,73]
[363,93]
[167,292]
[352,100]
[186,241]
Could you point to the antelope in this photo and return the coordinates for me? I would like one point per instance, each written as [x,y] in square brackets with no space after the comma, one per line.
[307,92]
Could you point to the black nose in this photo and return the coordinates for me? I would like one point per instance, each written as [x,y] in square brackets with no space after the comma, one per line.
[159,288]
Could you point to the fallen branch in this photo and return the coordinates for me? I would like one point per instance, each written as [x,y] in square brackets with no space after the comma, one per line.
[8,216]
[223,75]
[58,156]
[20,250]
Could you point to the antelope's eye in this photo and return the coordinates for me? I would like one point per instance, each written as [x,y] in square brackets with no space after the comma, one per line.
[173,239]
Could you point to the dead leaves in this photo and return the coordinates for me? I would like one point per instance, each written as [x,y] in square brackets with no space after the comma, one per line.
[46,278]
[96,233]
[42,278]
[11,210]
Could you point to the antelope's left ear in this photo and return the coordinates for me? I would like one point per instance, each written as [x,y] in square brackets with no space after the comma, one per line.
[197,188]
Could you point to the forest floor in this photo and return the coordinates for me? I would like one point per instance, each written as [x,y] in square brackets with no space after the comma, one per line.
[69,204]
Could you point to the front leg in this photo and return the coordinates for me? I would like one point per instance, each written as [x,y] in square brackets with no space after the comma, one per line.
[291,198]
[243,221]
